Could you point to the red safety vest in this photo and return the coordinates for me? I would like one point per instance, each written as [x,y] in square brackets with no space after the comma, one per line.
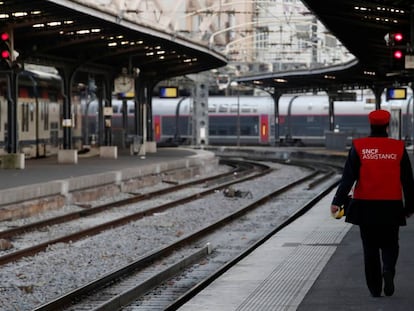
[379,174]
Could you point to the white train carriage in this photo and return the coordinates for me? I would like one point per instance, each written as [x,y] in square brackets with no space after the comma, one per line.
[39,115]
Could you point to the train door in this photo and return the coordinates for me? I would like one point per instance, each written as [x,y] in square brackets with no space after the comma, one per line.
[42,133]
[157,127]
[38,119]
[26,123]
[55,130]
[49,132]
[264,129]
[47,116]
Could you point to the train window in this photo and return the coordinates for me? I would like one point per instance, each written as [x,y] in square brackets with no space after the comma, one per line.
[222,125]
[46,116]
[115,109]
[226,131]
[246,109]
[54,134]
[234,108]
[169,126]
[212,108]
[31,113]
[131,110]
[249,126]
[41,107]
[223,108]
[25,117]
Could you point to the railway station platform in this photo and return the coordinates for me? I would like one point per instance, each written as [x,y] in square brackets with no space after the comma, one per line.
[48,169]
[314,264]
[46,184]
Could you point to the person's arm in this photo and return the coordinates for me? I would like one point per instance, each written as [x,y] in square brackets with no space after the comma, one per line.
[349,176]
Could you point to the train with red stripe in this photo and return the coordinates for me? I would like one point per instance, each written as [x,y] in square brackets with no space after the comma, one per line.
[250,120]
[247,120]
[229,119]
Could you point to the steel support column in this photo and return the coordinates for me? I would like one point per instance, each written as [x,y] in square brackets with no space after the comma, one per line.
[276,96]
[12,91]
[67,75]
[107,86]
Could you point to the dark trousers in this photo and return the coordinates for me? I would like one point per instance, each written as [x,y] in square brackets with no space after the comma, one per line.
[381,248]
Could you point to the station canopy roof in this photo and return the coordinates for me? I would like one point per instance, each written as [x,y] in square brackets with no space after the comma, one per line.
[60,32]
[362,27]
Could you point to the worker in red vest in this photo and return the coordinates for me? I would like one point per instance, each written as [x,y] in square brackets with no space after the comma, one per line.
[379,173]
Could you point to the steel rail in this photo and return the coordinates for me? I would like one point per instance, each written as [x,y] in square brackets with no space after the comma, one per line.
[117,275]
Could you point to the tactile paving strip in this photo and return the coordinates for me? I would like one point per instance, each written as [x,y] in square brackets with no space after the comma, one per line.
[289,282]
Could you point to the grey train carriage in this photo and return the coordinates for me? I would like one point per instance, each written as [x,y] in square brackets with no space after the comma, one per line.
[250,120]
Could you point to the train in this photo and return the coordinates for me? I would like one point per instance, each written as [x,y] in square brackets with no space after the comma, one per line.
[39,114]
[250,120]
[232,120]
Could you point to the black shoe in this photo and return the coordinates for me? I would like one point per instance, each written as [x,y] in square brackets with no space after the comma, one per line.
[375,292]
[388,283]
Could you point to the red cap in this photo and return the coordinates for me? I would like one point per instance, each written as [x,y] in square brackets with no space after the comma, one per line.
[379,117]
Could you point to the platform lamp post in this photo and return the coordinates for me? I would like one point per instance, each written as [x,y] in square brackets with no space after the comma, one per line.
[235,85]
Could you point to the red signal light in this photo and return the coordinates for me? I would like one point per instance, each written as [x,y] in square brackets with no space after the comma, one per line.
[5,50]
[398,37]
[5,54]
[398,54]
[5,36]
[394,38]
[398,49]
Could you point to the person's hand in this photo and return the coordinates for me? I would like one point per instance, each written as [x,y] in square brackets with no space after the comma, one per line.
[334,209]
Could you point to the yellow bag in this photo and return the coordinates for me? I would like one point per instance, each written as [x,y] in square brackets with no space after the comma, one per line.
[339,213]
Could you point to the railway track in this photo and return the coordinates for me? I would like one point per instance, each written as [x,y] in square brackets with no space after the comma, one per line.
[203,254]
[242,170]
